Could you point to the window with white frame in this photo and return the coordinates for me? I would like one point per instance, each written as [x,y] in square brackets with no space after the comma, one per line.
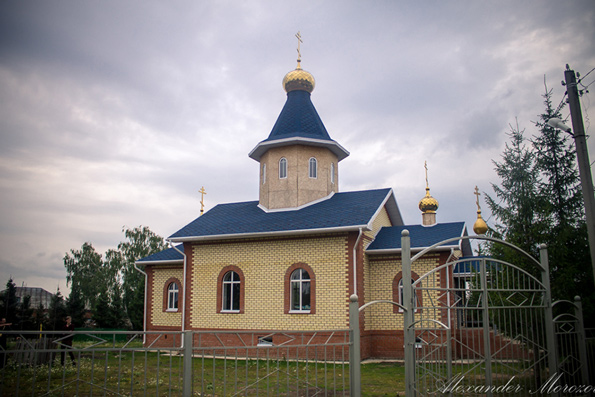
[402,298]
[231,292]
[332,173]
[313,168]
[172,297]
[300,291]
[283,168]
[264,173]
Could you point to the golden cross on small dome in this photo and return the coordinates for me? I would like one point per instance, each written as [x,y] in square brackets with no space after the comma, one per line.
[202,192]
[299,37]
[426,167]
[477,198]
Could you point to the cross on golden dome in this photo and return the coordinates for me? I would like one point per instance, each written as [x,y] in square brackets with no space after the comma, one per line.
[299,79]
[479,227]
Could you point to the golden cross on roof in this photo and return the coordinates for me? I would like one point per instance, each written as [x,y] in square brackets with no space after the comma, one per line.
[426,167]
[202,192]
[477,198]
[299,37]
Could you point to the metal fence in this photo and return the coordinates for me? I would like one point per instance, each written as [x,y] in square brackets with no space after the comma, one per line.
[204,363]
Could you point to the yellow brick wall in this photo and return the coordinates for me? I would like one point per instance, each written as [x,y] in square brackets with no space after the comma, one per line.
[159,317]
[381,220]
[380,286]
[264,264]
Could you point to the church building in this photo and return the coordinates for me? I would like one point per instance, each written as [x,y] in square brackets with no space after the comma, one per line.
[291,259]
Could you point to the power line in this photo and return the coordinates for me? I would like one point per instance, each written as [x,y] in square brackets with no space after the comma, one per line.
[559,107]
[586,74]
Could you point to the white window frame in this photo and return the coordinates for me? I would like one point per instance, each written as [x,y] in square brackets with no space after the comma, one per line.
[313,168]
[301,281]
[401,299]
[227,288]
[282,168]
[264,173]
[173,294]
[333,173]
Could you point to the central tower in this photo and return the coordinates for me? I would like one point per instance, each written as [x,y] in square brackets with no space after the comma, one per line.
[299,160]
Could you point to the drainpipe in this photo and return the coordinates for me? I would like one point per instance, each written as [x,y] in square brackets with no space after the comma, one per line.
[184,291]
[355,261]
[145,308]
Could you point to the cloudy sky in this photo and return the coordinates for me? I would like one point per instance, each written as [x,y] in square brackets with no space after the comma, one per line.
[113,114]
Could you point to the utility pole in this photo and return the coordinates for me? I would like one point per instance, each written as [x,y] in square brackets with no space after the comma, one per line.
[584,166]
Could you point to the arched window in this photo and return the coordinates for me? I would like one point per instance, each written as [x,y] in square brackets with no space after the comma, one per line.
[231,292]
[264,173]
[172,296]
[313,168]
[300,291]
[333,173]
[398,293]
[283,168]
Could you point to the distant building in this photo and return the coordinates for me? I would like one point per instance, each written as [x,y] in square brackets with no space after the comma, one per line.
[38,296]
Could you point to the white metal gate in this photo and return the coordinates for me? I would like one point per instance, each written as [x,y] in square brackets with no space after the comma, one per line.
[487,330]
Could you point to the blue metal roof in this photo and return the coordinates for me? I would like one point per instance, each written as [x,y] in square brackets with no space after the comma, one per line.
[471,264]
[167,255]
[298,122]
[389,238]
[298,118]
[342,210]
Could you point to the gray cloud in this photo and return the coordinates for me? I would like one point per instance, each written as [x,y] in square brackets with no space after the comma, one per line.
[114,114]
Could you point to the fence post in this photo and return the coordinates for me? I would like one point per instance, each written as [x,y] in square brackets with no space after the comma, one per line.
[582,346]
[549,317]
[187,352]
[408,330]
[355,378]
[485,319]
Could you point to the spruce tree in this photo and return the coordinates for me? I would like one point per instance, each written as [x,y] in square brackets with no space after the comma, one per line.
[562,211]
[516,203]
[9,302]
[76,306]
[56,312]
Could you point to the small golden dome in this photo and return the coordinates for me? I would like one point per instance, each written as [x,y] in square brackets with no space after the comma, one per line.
[299,79]
[428,204]
[480,227]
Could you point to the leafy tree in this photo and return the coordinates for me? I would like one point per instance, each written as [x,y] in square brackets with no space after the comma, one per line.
[141,242]
[86,271]
[113,284]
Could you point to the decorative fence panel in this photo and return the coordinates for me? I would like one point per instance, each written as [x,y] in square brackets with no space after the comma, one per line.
[175,364]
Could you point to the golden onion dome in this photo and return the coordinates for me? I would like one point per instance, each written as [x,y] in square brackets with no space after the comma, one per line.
[299,79]
[480,227]
[428,204]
